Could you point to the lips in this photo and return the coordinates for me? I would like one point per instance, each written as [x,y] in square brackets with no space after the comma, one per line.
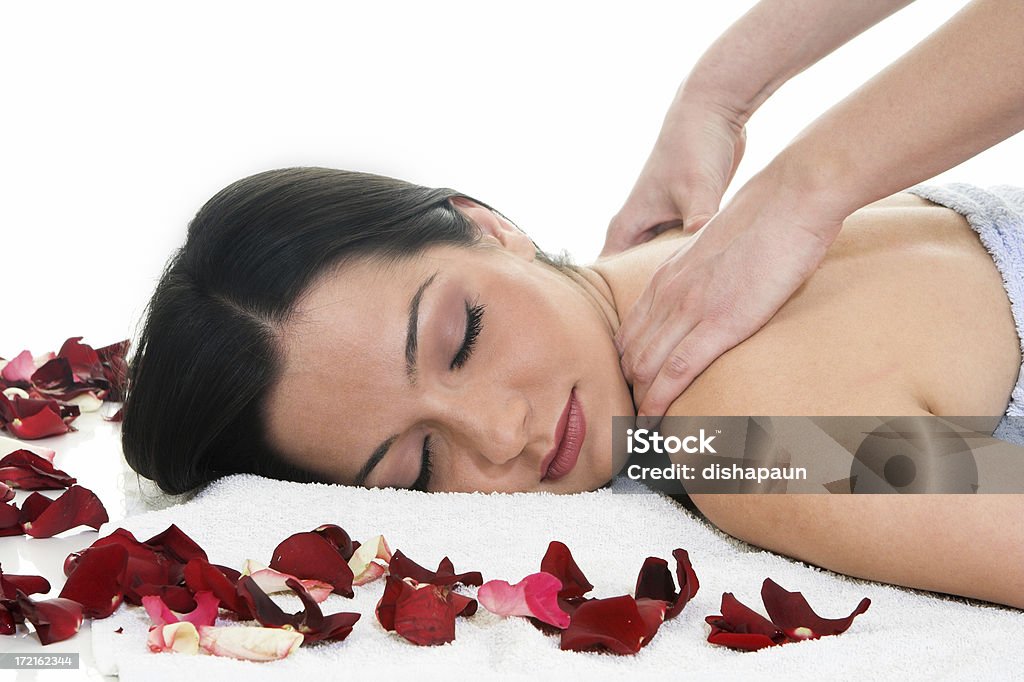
[569,434]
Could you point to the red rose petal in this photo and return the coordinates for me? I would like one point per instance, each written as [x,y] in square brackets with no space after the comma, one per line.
[201,575]
[402,566]
[655,582]
[30,419]
[310,555]
[144,565]
[10,520]
[54,619]
[794,616]
[262,607]
[558,562]
[423,616]
[82,357]
[337,536]
[204,612]
[29,584]
[423,613]
[77,506]
[97,583]
[7,622]
[175,596]
[314,625]
[6,491]
[174,544]
[613,624]
[740,627]
[29,471]
[653,612]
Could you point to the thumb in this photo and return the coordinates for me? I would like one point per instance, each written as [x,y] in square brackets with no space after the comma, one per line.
[703,205]
[624,231]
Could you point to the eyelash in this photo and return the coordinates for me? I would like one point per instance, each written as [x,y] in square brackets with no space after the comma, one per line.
[474,324]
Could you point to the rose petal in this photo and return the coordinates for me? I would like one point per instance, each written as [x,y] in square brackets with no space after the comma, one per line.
[423,616]
[370,560]
[181,637]
[794,616]
[10,520]
[7,622]
[558,562]
[145,566]
[317,627]
[311,556]
[339,539]
[6,492]
[652,611]
[77,506]
[740,627]
[54,619]
[271,581]
[249,643]
[19,370]
[176,545]
[29,584]
[263,608]
[201,575]
[613,624]
[31,419]
[176,597]
[97,582]
[402,566]
[422,613]
[205,612]
[86,402]
[655,582]
[535,595]
[29,471]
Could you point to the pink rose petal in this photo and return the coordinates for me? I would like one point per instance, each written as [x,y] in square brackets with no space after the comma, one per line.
[536,595]
[20,369]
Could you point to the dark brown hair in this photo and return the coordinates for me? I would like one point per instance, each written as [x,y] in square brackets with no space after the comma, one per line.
[208,352]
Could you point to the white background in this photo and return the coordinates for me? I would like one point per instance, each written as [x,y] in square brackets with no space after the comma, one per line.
[118,120]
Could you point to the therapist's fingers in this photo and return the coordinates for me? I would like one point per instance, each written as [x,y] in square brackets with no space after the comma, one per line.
[685,363]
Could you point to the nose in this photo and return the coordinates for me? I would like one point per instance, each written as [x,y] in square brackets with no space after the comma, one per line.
[495,427]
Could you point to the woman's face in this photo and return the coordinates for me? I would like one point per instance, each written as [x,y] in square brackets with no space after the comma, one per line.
[502,367]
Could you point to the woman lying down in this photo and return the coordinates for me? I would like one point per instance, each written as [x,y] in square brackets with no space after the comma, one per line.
[335,326]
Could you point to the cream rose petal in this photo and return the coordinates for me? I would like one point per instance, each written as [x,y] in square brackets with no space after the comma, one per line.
[182,638]
[370,561]
[87,402]
[249,643]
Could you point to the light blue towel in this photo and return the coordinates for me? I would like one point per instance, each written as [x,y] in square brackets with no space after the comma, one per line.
[997,215]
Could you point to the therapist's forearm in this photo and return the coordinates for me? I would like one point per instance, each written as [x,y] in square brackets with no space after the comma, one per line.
[773,42]
[954,95]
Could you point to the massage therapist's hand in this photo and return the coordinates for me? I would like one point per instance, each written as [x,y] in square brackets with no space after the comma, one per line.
[682,183]
[722,286]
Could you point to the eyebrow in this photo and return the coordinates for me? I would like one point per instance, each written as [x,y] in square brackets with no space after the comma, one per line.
[411,344]
[412,335]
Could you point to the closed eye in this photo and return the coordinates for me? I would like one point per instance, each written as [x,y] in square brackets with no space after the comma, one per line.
[474,323]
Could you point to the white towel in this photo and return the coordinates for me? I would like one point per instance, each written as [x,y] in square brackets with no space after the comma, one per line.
[914,634]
